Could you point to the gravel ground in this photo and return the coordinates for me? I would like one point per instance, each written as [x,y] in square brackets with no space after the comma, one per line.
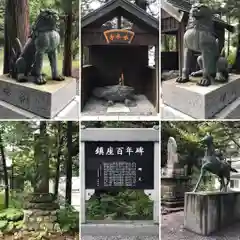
[172,229]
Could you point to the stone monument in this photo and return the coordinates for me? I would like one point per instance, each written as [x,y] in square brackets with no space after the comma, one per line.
[216,94]
[26,91]
[174,180]
[113,159]
[206,212]
[40,210]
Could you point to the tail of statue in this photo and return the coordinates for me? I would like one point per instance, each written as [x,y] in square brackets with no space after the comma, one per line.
[233,170]
[222,53]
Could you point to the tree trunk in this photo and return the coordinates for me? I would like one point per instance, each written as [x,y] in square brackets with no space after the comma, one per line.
[67,56]
[6,200]
[60,145]
[68,195]
[16,25]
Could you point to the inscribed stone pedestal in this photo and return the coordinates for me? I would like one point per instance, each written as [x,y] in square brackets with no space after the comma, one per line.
[43,100]
[197,101]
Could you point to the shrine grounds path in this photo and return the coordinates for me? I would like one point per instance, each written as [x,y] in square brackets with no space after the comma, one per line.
[172,229]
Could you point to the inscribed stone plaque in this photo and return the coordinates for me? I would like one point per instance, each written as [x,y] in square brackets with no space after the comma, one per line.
[119,164]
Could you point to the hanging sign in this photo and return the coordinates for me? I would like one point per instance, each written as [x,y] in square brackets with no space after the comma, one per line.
[119,36]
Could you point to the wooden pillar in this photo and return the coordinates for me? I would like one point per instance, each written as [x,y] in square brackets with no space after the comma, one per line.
[157,69]
[180,34]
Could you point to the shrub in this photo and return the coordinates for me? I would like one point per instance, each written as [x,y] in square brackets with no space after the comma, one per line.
[126,205]
[68,219]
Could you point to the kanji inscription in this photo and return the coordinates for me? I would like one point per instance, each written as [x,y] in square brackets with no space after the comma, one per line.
[119,164]
[119,36]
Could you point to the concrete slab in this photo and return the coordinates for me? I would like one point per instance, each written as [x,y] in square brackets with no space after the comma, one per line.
[44,100]
[169,113]
[71,111]
[128,229]
[200,102]
[8,111]
[232,111]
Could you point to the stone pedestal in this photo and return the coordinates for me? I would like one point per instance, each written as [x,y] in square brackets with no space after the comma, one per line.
[209,212]
[172,191]
[40,213]
[35,101]
[192,101]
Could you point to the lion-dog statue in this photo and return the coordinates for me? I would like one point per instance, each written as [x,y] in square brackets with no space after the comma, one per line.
[200,37]
[44,39]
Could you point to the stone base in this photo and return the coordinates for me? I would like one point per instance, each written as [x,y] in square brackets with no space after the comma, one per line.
[40,212]
[70,112]
[209,212]
[173,204]
[172,191]
[200,102]
[40,220]
[45,101]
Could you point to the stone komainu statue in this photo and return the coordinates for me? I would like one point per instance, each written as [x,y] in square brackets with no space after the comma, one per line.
[44,39]
[200,37]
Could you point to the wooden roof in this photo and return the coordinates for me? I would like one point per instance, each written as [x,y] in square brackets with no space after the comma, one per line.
[124,8]
[185,6]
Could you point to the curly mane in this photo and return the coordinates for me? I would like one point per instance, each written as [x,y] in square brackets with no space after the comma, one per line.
[46,21]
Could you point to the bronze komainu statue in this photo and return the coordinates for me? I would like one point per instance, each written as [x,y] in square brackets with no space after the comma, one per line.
[200,37]
[213,163]
[44,39]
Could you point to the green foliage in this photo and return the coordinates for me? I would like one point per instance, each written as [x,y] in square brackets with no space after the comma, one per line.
[11,214]
[188,134]
[68,219]
[11,220]
[126,205]
[231,57]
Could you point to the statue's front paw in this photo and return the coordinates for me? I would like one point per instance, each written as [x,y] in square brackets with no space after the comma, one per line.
[204,82]
[182,79]
[110,103]
[59,78]
[40,80]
